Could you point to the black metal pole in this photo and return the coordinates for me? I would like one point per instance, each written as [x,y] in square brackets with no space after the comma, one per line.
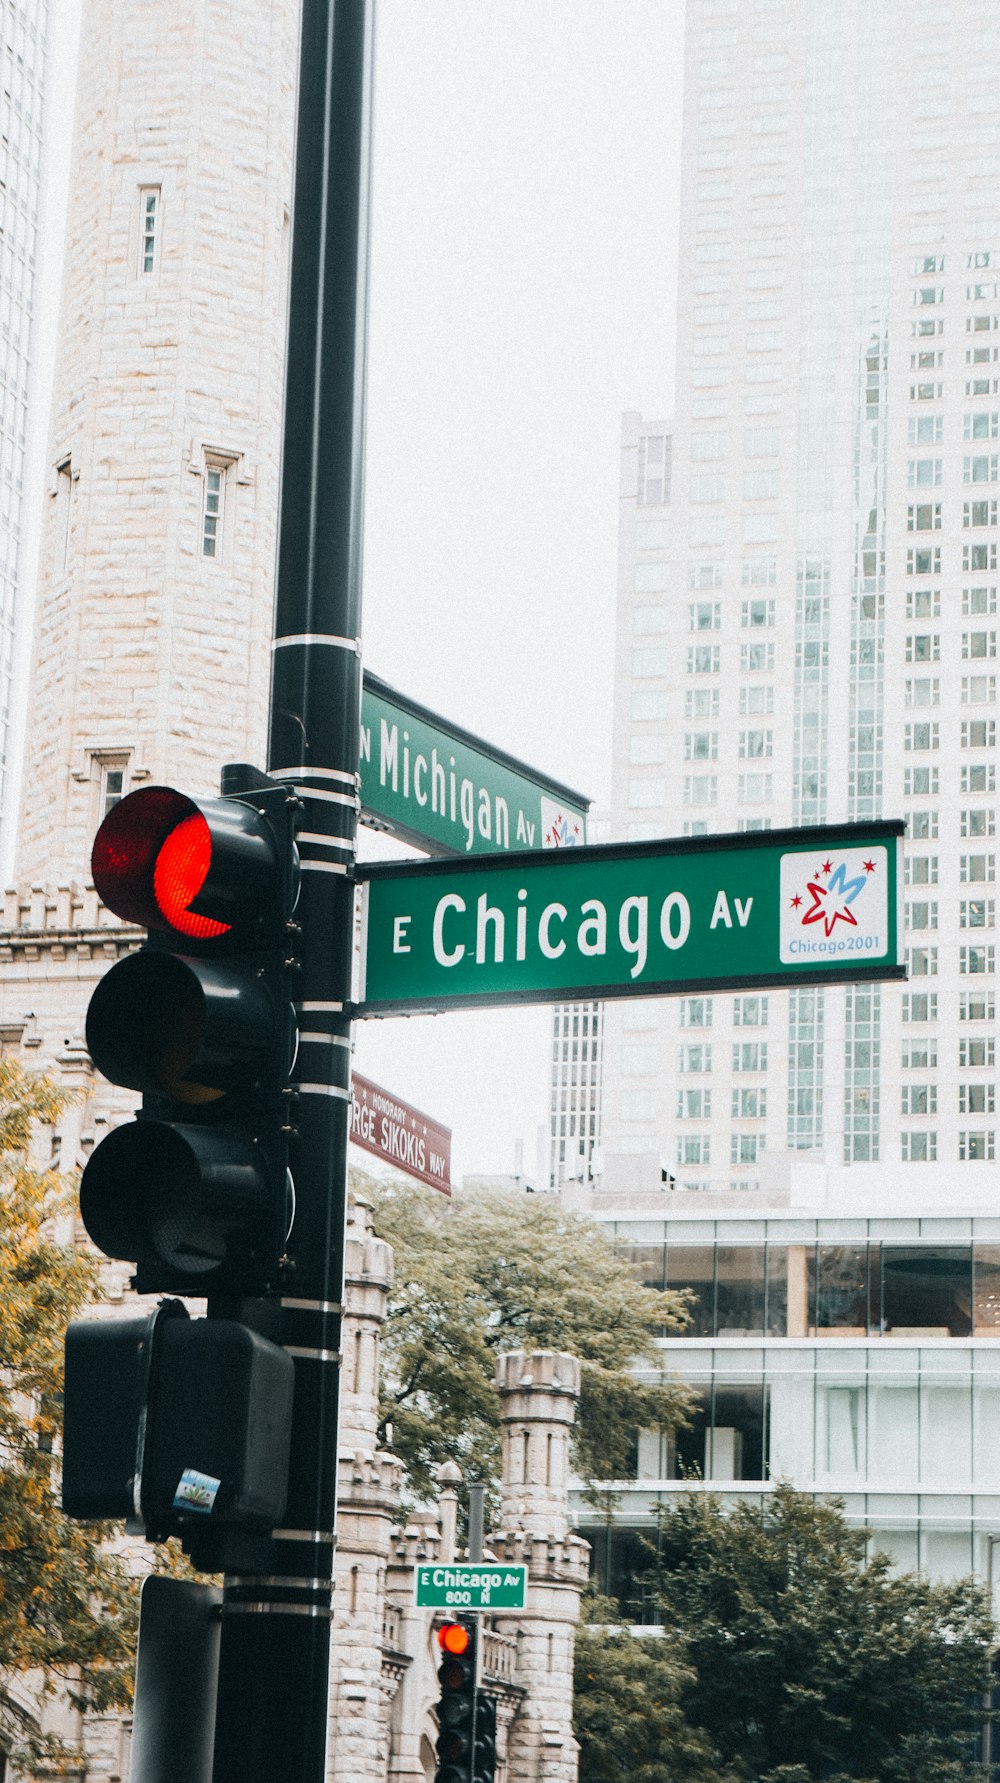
[273,1705]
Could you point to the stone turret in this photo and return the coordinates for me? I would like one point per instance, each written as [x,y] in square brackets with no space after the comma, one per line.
[538,1398]
[368,1504]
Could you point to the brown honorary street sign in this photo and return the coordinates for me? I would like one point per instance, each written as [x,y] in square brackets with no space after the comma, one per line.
[400,1135]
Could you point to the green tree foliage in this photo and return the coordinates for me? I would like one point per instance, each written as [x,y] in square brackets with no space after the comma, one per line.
[68,1607]
[500,1270]
[627,1708]
[811,1661]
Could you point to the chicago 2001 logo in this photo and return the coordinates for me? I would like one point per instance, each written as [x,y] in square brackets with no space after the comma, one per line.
[834,903]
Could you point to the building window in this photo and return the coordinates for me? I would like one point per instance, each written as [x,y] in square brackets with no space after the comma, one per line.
[149,216]
[756,659]
[924,824]
[922,736]
[977,823]
[703,659]
[756,745]
[654,469]
[920,1006]
[979,600]
[977,869]
[977,1147]
[976,962]
[925,518]
[696,1012]
[701,746]
[918,1148]
[926,472]
[976,1098]
[694,1105]
[112,775]
[705,616]
[979,690]
[918,1098]
[923,603]
[757,613]
[978,1052]
[701,789]
[923,647]
[979,733]
[212,508]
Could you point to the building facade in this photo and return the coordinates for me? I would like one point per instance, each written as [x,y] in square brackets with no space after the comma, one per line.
[808,610]
[37,48]
[806,634]
[839,1340]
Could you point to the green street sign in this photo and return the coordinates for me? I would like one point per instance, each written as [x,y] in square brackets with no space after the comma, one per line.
[805,906]
[450,793]
[471,1585]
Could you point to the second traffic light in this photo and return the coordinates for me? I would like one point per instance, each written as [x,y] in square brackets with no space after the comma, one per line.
[457,1702]
[196,1192]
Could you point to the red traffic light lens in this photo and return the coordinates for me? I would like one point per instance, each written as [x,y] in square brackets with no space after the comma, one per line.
[179,873]
[454,1638]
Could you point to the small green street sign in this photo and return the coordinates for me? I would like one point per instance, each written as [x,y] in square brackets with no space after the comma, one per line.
[471,1585]
[782,907]
[450,793]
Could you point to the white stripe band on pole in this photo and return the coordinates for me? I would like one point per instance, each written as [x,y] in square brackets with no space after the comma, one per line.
[314,774]
[321,841]
[310,637]
[323,867]
[323,1089]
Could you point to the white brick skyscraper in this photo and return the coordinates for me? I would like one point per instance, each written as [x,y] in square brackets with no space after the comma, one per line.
[809,629]
[154,620]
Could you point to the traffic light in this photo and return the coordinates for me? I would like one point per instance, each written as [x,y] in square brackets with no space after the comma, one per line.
[457,1702]
[484,1759]
[196,1192]
[180,1426]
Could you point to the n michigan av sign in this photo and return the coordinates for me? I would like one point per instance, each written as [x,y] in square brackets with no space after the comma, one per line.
[816,906]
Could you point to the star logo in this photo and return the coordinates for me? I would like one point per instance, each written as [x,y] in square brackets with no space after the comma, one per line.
[832,902]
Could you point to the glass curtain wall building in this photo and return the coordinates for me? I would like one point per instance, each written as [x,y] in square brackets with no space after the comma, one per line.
[808,607]
[852,1355]
[807,633]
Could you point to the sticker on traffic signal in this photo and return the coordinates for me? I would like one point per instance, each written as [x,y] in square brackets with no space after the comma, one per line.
[196,1191]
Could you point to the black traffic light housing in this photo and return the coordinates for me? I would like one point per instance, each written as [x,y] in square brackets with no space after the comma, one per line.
[180,1426]
[457,1674]
[484,1757]
[196,1192]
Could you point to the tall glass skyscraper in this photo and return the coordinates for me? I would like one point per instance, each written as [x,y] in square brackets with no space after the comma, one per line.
[808,606]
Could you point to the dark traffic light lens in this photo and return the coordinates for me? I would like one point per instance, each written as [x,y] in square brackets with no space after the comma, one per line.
[197,1191]
[178,1027]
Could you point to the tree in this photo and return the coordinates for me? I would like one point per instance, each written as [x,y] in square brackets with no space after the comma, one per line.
[500,1270]
[68,1606]
[627,1710]
[811,1661]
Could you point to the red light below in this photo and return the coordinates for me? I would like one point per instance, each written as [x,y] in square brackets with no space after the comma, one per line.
[180,872]
[453,1638]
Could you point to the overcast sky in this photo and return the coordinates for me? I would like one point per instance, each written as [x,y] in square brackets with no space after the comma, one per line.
[523,296]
